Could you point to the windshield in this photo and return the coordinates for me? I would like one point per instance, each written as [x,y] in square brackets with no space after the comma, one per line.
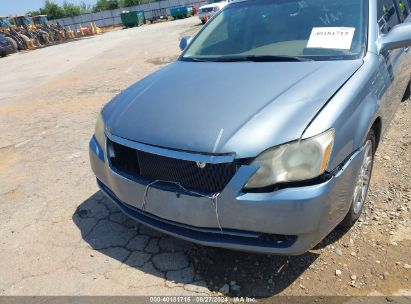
[5,23]
[282,29]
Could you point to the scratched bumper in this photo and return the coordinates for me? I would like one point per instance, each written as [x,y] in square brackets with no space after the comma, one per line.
[303,215]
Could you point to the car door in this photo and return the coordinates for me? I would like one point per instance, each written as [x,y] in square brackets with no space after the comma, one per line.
[404,9]
[393,60]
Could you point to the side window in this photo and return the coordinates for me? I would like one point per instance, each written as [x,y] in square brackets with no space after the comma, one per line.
[403,8]
[387,15]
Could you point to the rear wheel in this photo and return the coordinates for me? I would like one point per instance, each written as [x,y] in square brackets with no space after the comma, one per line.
[363,182]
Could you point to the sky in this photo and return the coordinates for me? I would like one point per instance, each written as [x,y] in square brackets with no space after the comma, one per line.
[19,7]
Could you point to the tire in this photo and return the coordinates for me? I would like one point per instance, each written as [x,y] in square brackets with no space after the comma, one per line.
[407,93]
[363,182]
[13,43]
[29,42]
[20,43]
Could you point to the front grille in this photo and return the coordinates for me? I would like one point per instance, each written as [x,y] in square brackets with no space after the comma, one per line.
[147,167]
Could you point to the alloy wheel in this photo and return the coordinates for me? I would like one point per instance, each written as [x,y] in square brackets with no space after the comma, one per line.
[363,181]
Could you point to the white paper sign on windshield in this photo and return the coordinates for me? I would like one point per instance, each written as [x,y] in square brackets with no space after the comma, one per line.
[331,38]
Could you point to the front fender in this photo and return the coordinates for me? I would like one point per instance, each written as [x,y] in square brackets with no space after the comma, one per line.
[352,111]
[352,128]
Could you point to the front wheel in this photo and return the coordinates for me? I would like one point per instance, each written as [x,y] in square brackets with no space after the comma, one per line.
[363,182]
[407,93]
[13,43]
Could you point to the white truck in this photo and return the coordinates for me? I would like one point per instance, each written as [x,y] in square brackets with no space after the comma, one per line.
[205,12]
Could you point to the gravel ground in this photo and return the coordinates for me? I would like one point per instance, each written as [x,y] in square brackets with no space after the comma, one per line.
[60,236]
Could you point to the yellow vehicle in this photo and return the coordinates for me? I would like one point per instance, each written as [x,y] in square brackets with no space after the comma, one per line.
[26,25]
[22,21]
[41,20]
[16,35]
[59,32]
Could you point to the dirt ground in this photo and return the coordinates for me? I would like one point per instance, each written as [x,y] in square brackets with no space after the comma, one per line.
[60,236]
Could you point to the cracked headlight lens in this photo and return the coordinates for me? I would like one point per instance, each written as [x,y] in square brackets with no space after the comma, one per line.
[295,161]
[99,131]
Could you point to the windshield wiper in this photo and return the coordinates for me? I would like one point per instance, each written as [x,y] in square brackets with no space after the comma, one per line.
[261,58]
[255,58]
[195,59]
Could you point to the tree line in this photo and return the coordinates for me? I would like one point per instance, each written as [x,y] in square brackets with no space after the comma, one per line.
[55,11]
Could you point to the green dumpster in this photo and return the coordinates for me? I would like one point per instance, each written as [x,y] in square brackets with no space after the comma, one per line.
[181,12]
[131,19]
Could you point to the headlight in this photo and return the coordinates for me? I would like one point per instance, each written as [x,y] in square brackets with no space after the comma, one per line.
[296,161]
[99,131]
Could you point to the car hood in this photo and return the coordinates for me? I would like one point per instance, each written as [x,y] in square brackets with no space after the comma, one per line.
[215,107]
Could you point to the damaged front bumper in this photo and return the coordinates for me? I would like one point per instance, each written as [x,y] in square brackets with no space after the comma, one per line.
[289,221]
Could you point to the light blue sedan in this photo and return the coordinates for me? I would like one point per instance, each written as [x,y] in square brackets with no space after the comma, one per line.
[261,136]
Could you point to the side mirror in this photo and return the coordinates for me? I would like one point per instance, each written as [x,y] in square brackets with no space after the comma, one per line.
[398,37]
[184,42]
